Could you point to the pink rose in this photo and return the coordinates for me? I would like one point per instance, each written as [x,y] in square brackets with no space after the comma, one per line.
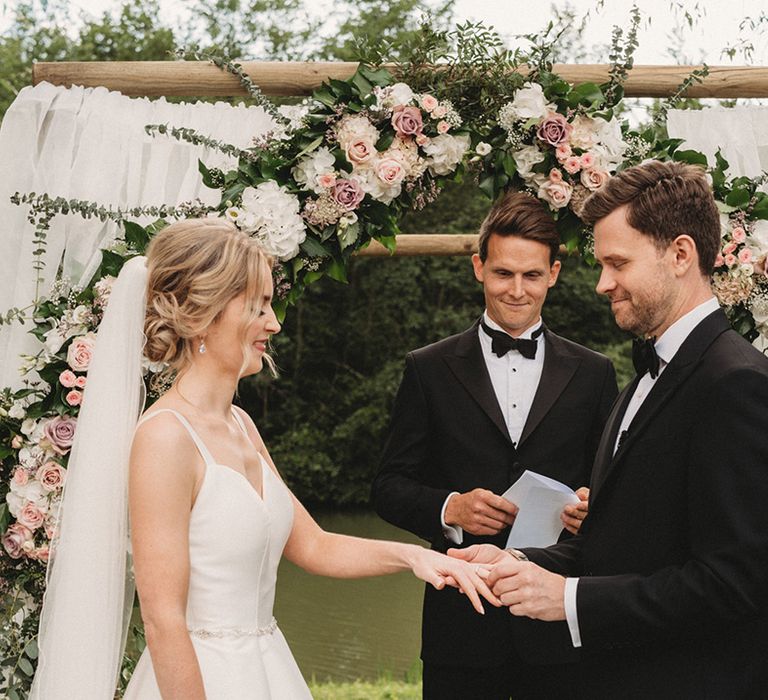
[745,256]
[348,193]
[80,353]
[51,476]
[429,102]
[439,112]
[80,382]
[587,161]
[563,152]
[422,139]
[719,260]
[360,151]
[739,235]
[407,121]
[74,397]
[390,171]
[20,476]
[59,432]
[594,179]
[443,127]
[67,378]
[556,194]
[14,539]
[729,248]
[31,516]
[326,180]
[41,553]
[730,260]
[555,175]
[17,442]
[572,164]
[554,129]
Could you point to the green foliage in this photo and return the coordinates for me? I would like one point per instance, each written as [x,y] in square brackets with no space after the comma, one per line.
[383,689]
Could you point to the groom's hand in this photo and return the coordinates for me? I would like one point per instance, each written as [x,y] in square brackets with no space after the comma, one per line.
[528,590]
[480,554]
[480,512]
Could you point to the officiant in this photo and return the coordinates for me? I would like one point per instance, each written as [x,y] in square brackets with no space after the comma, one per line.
[472,413]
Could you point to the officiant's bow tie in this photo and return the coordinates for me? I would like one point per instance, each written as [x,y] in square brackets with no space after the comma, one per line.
[644,357]
[501,343]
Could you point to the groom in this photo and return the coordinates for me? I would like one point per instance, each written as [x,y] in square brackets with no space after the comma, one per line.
[472,413]
[666,588]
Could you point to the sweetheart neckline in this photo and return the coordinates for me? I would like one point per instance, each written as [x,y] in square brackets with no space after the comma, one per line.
[250,486]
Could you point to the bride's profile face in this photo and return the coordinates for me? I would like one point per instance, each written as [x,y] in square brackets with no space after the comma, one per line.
[224,340]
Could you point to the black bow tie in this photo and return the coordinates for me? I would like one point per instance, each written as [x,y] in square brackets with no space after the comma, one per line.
[501,343]
[644,357]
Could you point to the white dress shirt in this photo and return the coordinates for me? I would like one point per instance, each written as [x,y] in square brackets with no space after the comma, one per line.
[514,379]
[666,348]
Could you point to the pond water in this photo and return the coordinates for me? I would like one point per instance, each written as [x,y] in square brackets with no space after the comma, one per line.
[347,629]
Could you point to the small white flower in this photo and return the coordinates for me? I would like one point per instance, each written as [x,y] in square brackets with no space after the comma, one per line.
[483,148]
[17,410]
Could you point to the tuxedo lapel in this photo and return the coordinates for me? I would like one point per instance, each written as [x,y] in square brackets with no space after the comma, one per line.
[468,365]
[604,454]
[559,367]
[673,376]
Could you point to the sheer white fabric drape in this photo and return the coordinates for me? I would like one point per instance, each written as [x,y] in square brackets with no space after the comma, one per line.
[90,143]
[741,134]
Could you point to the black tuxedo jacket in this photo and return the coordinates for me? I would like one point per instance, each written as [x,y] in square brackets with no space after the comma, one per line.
[674,552]
[448,434]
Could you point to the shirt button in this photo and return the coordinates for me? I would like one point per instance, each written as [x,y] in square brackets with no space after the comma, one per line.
[514,405]
[514,369]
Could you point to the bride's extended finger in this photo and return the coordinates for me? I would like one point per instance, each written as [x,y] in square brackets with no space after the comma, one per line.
[484,590]
[465,582]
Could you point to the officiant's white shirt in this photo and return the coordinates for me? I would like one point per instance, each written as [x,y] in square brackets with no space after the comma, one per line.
[515,380]
[666,348]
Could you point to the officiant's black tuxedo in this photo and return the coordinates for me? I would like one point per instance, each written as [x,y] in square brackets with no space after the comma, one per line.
[448,434]
[673,599]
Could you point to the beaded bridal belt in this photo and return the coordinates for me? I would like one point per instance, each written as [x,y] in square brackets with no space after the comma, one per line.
[234,632]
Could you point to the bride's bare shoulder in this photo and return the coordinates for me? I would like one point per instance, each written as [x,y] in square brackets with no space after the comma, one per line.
[161,436]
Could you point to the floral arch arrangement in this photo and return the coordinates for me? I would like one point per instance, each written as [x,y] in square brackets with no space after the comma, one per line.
[337,172]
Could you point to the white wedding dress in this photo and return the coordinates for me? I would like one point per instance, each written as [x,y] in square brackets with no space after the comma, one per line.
[236,539]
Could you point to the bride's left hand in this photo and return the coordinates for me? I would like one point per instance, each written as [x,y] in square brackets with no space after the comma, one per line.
[439,570]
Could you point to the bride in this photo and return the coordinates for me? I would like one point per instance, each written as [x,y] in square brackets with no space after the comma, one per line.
[210,516]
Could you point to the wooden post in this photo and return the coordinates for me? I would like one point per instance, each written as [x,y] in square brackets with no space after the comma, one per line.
[192,78]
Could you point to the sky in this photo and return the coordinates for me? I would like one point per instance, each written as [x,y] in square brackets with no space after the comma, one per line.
[716,22]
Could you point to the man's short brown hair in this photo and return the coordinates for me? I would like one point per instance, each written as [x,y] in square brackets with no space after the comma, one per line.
[664,201]
[522,215]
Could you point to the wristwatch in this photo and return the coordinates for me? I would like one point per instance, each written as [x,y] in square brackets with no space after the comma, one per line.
[517,554]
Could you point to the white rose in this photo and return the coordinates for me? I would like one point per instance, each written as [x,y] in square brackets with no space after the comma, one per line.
[530,103]
[445,152]
[400,94]
[33,492]
[483,148]
[54,339]
[79,316]
[525,159]
[28,426]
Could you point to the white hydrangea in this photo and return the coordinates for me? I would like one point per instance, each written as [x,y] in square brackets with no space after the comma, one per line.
[271,215]
[355,127]
[445,152]
[312,166]
[609,146]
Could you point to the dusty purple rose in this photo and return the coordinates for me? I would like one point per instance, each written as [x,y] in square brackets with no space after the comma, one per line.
[59,432]
[14,538]
[348,193]
[554,129]
[407,121]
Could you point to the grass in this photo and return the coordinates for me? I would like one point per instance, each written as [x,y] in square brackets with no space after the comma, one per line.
[382,689]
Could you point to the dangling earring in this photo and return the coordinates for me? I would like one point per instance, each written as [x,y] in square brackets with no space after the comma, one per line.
[201,348]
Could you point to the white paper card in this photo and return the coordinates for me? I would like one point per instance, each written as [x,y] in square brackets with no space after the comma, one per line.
[541,501]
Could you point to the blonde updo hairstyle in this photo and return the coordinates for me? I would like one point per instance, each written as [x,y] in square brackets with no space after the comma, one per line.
[196,267]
